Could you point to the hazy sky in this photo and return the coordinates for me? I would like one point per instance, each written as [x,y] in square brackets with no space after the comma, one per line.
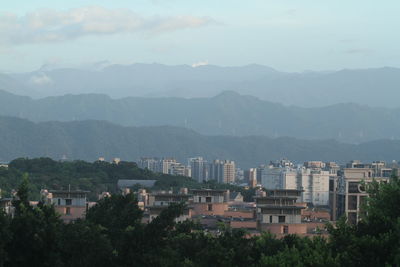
[291,35]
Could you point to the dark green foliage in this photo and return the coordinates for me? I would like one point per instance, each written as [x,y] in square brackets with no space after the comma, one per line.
[95,177]
[112,235]
[85,244]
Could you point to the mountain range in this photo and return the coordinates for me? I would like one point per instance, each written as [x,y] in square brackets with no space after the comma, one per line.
[374,87]
[226,114]
[88,140]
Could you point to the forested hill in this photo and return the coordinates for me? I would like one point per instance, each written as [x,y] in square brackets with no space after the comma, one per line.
[95,177]
[88,140]
[226,114]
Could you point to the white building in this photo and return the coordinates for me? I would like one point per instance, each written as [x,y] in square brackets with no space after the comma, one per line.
[199,169]
[311,179]
[315,186]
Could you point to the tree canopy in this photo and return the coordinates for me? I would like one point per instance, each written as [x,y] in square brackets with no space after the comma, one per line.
[112,234]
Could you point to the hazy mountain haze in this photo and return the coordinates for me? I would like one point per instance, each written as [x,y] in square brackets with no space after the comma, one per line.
[374,87]
[228,113]
[89,140]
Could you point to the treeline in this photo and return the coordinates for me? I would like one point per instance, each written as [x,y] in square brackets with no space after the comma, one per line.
[95,177]
[112,235]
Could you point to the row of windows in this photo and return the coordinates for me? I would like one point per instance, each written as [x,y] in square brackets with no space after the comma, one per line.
[68,202]
[281,219]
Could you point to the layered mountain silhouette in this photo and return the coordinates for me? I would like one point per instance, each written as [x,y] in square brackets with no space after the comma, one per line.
[89,140]
[226,114]
[374,87]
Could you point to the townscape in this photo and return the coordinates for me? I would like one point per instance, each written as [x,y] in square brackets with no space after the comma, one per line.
[280,197]
[199,133]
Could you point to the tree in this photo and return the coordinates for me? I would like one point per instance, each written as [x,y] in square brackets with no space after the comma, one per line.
[85,244]
[5,237]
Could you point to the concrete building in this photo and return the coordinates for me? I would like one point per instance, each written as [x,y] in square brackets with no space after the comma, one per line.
[315,185]
[223,171]
[179,169]
[250,176]
[6,206]
[276,174]
[210,202]
[166,164]
[70,204]
[157,202]
[279,212]
[279,177]
[351,192]
[152,164]
[311,179]
[199,169]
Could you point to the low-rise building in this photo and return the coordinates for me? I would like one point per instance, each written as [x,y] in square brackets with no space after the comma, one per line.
[279,212]
[210,202]
[70,204]
[6,206]
[157,202]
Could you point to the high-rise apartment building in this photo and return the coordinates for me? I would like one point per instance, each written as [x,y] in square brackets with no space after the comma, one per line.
[250,177]
[279,175]
[152,164]
[315,185]
[199,169]
[223,171]
[311,179]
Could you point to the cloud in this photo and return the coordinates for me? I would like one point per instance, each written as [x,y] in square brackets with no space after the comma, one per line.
[201,63]
[47,25]
[40,79]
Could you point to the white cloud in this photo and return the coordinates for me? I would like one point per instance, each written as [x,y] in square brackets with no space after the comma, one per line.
[201,63]
[47,25]
[41,79]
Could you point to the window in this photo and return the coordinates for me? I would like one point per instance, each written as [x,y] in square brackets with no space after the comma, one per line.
[270,219]
[352,218]
[200,199]
[208,199]
[352,203]
[281,219]
[209,207]
[285,229]
[68,202]
[353,187]
[68,211]
[59,201]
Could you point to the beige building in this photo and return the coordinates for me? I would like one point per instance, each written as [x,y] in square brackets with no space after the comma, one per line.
[279,212]
[210,202]
[157,202]
[350,188]
[70,204]
[224,171]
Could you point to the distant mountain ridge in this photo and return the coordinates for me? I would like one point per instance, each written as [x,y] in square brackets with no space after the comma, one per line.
[374,87]
[89,140]
[226,114]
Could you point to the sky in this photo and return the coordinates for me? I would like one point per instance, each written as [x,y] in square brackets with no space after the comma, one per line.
[288,35]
